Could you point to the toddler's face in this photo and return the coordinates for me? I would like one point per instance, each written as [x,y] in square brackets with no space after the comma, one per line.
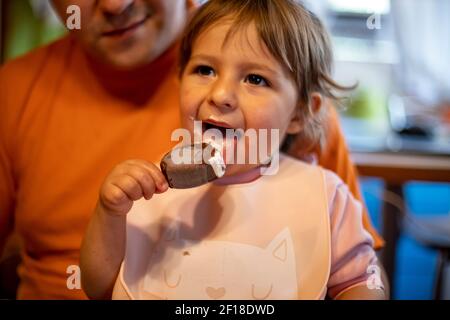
[236,83]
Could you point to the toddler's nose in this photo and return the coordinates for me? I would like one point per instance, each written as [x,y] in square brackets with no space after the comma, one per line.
[223,94]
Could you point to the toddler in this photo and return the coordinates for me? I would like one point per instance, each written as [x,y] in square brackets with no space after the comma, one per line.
[261,65]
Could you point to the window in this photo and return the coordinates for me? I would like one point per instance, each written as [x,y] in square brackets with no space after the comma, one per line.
[361,7]
[362,30]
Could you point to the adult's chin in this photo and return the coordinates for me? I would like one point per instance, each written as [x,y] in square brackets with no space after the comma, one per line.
[128,53]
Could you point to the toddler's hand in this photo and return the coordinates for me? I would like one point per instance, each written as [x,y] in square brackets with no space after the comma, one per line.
[128,182]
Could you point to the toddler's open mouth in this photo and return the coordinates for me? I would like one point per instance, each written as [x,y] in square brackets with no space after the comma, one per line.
[218,125]
[222,135]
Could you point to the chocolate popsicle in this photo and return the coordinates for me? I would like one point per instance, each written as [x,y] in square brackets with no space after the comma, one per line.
[204,164]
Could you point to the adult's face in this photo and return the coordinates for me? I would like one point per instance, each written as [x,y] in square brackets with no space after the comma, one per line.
[127,33]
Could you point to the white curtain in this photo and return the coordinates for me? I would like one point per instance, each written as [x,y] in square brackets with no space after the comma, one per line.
[422,29]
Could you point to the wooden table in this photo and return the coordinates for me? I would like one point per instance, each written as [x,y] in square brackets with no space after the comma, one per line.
[397,168]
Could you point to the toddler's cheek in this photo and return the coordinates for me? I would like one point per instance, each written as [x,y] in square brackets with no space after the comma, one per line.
[188,112]
[190,102]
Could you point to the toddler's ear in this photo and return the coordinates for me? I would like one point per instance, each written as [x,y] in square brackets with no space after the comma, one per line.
[316,102]
[296,125]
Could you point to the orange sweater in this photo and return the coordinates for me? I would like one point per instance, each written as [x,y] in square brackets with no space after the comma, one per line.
[61,133]
[335,157]
[64,123]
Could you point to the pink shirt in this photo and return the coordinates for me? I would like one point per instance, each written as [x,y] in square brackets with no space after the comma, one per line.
[297,234]
[351,245]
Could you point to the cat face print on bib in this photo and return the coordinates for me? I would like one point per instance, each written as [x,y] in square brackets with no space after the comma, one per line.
[210,269]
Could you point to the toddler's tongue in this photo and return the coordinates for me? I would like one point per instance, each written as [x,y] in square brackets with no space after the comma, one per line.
[221,145]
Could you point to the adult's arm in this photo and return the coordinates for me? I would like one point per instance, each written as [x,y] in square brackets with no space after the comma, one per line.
[17,78]
[7,187]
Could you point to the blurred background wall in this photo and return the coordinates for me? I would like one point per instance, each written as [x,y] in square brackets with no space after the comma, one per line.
[27,24]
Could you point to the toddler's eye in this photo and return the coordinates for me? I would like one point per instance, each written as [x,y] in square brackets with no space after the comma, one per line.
[204,71]
[256,80]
